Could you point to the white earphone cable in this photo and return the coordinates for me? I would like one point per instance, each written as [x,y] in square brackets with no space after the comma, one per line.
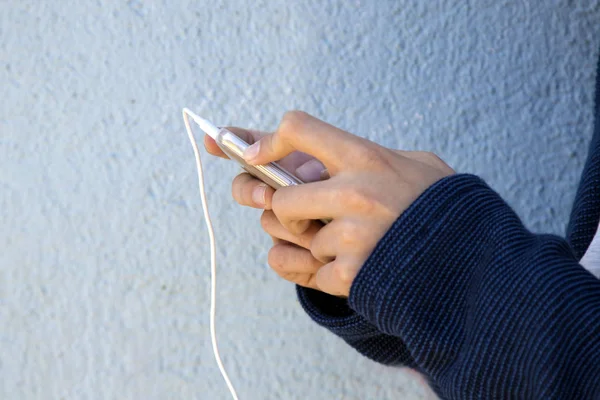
[213,255]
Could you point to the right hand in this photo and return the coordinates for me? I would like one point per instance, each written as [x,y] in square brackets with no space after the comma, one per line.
[290,256]
[252,192]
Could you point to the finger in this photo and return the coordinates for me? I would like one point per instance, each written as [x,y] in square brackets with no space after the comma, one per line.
[294,264]
[303,132]
[295,160]
[297,227]
[212,148]
[249,191]
[325,243]
[311,171]
[291,162]
[336,277]
[314,201]
[341,236]
[247,135]
[273,227]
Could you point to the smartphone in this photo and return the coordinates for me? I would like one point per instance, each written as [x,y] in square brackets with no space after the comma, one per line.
[272,173]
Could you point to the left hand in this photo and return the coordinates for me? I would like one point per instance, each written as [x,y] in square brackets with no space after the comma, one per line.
[370,186]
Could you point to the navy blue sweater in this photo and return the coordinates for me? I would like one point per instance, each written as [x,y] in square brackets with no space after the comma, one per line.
[461,291]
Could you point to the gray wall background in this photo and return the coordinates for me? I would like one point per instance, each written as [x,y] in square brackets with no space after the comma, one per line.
[104,268]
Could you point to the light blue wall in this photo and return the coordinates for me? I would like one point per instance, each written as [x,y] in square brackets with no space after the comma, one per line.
[104,264]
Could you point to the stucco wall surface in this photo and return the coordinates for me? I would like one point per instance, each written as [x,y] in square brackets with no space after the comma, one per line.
[104,268]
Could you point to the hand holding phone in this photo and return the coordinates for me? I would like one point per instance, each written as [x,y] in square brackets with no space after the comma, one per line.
[273,174]
[233,146]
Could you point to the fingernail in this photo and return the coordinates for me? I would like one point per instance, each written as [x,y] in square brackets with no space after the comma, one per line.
[251,152]
[310,171]
[258,195]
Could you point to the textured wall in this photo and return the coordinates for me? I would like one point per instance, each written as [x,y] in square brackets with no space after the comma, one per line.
[104,263]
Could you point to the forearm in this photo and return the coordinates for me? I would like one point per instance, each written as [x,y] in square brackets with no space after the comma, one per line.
[486,308]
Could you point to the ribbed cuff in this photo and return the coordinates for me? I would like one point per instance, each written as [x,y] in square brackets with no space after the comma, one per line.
[334,314]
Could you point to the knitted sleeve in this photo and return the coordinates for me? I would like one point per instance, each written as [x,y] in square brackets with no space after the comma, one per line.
[462,291]
[334,314]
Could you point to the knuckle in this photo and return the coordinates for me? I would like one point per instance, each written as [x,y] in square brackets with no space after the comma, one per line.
[303,280]
[292,121]
[355,198]
[276,257]
[278,204]
[350,234]
[307,237]
[209,149]
[438,162]
[266,221]
[343,273]
[368,155]
[267,197]
[241,188]
[236,188]
[276,201]
[298,227]
[317,250]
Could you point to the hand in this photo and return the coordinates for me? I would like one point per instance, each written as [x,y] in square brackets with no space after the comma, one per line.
[370,186]
[290,256]
[249,191]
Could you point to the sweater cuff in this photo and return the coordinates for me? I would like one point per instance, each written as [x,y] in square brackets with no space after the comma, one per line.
[334,313]
[413,270]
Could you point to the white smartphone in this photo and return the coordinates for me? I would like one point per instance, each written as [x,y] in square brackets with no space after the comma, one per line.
[272,173]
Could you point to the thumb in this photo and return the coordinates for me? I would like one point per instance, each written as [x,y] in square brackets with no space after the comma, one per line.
[299,131]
